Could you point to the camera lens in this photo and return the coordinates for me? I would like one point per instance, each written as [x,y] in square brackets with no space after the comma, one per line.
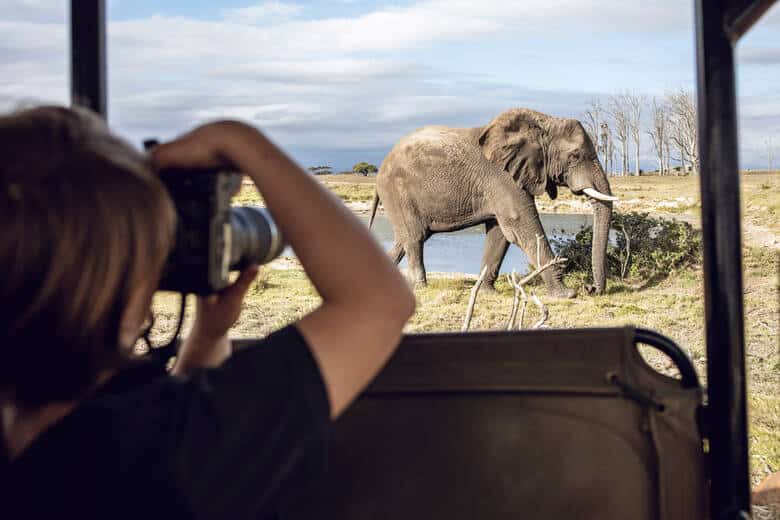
[254,239]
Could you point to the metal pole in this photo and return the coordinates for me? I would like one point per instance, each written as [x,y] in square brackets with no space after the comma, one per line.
[727,430]
[741,15]
[88,54]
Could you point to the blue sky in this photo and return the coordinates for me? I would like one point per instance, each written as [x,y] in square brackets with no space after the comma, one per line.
[339,82]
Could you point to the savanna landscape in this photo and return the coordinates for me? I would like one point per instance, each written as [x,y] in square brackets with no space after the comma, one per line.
[671,303]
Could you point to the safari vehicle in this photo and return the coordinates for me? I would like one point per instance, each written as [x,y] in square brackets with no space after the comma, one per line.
[550,423]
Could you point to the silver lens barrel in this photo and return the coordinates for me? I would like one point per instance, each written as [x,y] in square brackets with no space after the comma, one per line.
[255,239]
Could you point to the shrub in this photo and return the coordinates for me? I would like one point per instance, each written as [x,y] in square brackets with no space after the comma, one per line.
[364,168]
[654,249]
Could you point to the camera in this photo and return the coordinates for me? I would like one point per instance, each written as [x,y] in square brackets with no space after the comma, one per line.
[213,238]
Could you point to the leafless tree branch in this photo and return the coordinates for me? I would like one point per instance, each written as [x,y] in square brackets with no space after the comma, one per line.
[684,135]
[520,300]
[659,133]
[542,309]
[617,108]
[634,103]
[473,300]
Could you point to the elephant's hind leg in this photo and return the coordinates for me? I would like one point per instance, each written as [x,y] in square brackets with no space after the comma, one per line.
[396,253]
[414,251]
[496,246]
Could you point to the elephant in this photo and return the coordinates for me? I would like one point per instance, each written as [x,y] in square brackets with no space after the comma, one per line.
[439,179]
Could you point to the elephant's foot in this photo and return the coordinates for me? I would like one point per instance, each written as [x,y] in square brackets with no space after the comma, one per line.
[419,284]
[561,291]
[592,290]
[416,282]
[488,287]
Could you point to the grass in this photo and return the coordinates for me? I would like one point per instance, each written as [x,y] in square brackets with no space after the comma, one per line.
[348,192]
[674,306]
[350,188]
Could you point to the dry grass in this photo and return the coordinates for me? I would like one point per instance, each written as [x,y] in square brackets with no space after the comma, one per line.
[350,178]
[350,188]
[352,192]
[674,306]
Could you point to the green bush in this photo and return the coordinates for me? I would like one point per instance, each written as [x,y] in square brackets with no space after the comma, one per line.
[654,248]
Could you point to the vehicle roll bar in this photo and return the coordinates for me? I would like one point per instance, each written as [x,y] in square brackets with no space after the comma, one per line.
[88,55]
[719,25]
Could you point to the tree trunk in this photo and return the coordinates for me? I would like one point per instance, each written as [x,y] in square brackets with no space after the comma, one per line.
[636,158]
[625,158]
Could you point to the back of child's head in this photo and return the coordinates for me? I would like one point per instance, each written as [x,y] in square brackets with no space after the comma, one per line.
[86,224]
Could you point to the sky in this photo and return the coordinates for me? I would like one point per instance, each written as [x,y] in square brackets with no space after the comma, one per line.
[338,82]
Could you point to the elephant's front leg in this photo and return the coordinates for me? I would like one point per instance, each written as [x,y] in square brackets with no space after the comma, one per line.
[520,225]
[496,246]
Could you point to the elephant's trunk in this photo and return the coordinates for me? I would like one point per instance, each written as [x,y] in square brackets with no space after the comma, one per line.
[602,216]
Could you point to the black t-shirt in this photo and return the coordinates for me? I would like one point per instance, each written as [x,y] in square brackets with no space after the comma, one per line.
[229,442]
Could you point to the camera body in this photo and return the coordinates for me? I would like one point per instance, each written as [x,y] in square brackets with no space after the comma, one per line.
[212,237]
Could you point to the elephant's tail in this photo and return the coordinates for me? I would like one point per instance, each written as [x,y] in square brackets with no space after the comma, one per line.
[374,205]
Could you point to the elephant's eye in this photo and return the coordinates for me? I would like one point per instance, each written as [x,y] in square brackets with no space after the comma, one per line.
[574,157]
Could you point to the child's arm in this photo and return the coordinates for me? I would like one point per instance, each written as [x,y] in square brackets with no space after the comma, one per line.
[366,301]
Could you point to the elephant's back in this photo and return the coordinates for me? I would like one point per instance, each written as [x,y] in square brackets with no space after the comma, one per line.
[436,174]
[430,150]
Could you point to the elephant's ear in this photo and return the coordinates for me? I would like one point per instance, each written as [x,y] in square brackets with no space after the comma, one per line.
[513,142]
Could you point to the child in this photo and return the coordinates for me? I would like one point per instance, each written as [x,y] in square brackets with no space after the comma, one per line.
[87,227]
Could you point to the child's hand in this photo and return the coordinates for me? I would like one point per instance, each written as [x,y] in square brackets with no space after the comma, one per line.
[215,314]
[207,146]
[208,344]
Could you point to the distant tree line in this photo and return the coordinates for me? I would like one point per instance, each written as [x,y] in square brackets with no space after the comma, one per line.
[617,123]
[320,170]
[361,168]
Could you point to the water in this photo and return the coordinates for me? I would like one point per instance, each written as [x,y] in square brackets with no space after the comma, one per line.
[461,251]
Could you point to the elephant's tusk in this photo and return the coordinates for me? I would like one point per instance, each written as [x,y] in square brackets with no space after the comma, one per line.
[590,192]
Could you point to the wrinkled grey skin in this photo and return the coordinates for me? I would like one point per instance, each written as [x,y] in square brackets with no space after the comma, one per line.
[444,179]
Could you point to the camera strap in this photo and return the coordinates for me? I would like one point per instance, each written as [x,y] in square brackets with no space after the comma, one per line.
[165,352]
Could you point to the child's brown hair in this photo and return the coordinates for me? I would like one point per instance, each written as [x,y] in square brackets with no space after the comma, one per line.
[85,223]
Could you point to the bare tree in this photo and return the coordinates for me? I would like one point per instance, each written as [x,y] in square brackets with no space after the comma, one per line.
[685,137]
[592,121]
[634,103]
[608,147]
[770,153]
[618,110]
[668,144]
[659,133]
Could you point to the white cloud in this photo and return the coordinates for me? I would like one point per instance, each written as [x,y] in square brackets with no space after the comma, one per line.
[421,24]
[335,84]
[342,70]
[759,55]
[260,13]
[34,10]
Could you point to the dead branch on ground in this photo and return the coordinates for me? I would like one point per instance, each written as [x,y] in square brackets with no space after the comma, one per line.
[473,300]
[520,301]
[542,309]
[521,298]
